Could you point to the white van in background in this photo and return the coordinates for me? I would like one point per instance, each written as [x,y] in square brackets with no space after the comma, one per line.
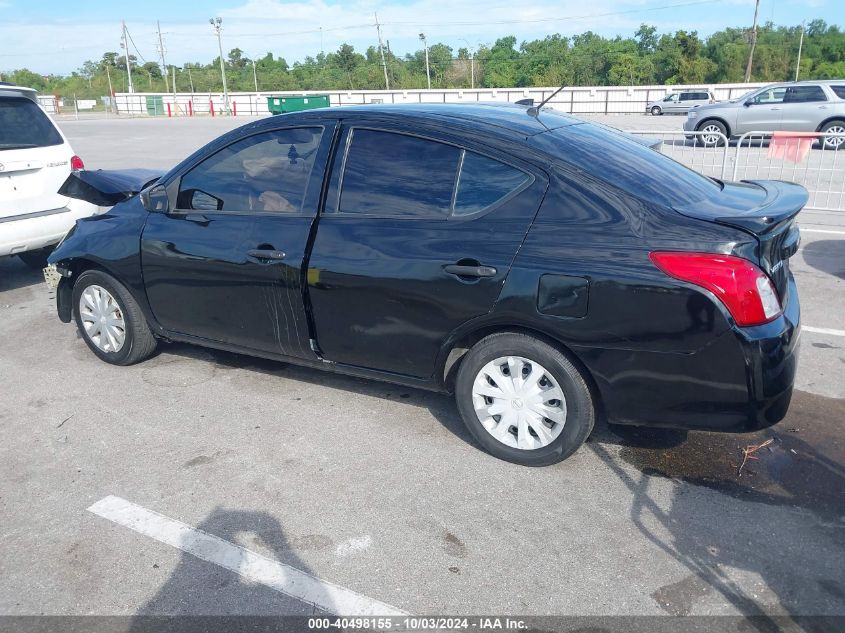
[35,160]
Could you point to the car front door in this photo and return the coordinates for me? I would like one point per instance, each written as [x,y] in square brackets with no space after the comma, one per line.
[671,103]
[762,112]
[225,263]
[804,108]
[416,239]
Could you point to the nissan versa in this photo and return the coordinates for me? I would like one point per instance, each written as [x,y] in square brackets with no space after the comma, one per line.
[546,270]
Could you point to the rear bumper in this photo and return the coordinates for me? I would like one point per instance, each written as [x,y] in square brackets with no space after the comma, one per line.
[741,382]
[37,230]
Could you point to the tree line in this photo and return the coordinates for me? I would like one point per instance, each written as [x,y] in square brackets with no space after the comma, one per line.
[588,59]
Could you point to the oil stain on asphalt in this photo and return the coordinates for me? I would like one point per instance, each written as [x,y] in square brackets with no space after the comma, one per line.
[801,467]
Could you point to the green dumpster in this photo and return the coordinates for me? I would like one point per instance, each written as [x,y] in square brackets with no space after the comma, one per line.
[280,105]
[155,106]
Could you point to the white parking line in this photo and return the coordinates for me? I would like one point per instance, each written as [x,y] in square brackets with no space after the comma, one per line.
[803,230]
[283,578]
[823,330]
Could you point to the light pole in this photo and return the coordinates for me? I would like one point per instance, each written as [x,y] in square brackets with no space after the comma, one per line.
[217,24]
[471,63]
[427,71]
[255,75]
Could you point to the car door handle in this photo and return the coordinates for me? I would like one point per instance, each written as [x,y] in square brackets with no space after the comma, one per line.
[266,253]
[199,218]
[470,271]
[775,108]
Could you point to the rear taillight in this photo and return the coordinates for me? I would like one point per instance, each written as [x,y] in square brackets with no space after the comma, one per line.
[76,163]
[746,291]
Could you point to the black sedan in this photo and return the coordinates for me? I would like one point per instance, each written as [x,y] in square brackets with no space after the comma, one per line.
[544,269]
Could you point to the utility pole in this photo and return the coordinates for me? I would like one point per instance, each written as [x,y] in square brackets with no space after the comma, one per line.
[753,43]
[125,45]
[111,90]
[427,71]
[161,53]
[175,106]
[255,75]
[217,24]
[381,50]
[800,46]
[190,79]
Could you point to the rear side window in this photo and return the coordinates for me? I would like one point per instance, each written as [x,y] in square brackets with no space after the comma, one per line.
[396,175]
[804,94]
[23,124]
[484,182]
[839,91]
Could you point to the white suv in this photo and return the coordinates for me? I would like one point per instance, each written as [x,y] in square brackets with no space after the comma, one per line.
[35,160]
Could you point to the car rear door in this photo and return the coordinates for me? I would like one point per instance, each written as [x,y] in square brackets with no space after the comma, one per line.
[417,237]
[225,263]
[804,108]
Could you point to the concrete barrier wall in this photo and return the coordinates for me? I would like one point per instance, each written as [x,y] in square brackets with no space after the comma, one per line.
[580,100]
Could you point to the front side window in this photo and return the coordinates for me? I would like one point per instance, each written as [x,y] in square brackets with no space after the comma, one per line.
[23,125]
[770,95]
[804,94]
[397,175]
[264,173]
[484,182]
[673,97]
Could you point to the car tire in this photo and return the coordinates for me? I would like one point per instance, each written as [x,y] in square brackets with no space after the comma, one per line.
[656,111]
[36,259]
[833,127]
[548,382]
[124,337]
[717,130]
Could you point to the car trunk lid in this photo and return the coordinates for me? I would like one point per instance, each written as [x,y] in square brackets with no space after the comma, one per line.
[767,210]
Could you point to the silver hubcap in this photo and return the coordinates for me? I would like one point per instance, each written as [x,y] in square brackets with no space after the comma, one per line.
[102,319]
[835,141]
[711,134]
[519,402]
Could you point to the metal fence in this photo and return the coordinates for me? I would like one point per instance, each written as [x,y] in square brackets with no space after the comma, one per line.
[809,159]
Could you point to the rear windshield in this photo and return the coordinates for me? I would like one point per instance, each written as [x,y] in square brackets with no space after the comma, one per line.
[631,166]
[23,124]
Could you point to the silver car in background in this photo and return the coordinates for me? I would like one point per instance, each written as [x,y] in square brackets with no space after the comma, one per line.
[802,106]
[679,102]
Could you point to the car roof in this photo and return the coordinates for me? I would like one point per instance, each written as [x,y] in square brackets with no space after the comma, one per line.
[501,118]
[9,90]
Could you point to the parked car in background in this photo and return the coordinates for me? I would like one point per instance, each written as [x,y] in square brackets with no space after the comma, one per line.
[541,268]
[804,106]
[35,160]
[679,102]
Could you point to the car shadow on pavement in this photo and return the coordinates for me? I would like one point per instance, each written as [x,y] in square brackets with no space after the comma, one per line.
[441,406]
[200,588]
[14,274]
[827,256]
[718,542]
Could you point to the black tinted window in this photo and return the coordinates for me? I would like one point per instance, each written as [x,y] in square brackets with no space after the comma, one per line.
[23,124]
[804,94]
[641,172]
[483,182]
[263,173]
[839,91]
[396,175]
[701,96]
[687,96]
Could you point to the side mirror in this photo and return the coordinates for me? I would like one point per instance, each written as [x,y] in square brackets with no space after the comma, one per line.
[154,199]
[748,103]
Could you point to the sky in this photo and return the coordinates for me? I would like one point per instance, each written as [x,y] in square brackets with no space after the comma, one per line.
[57,36]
